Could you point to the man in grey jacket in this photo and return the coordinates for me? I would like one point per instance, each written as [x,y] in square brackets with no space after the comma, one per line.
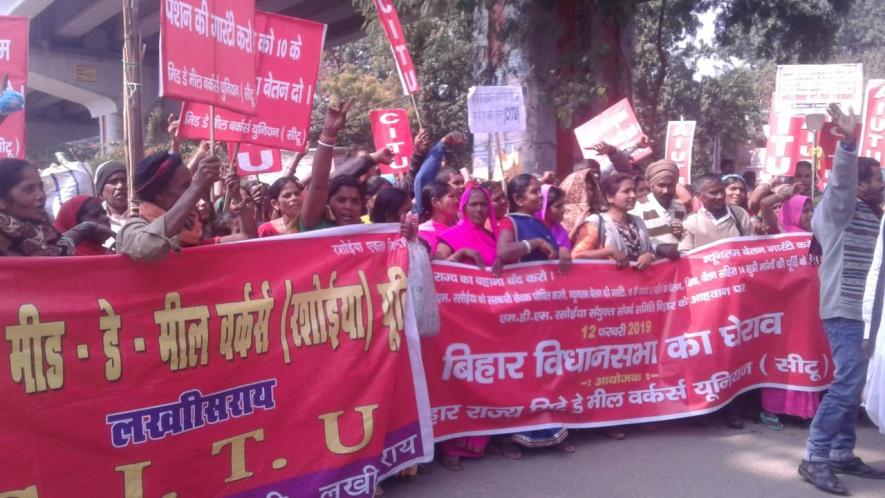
[846,223]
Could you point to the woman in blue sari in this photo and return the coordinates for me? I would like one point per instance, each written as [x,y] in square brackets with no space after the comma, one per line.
[522,238]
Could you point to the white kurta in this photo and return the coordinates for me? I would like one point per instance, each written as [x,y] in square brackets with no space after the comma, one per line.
[874,392]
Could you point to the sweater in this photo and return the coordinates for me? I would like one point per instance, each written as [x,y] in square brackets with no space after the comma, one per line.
[846,229]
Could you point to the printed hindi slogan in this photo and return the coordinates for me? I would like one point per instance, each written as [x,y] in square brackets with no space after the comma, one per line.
[195,377]
[600,346]
[288,52]
[207,52]
[13,79]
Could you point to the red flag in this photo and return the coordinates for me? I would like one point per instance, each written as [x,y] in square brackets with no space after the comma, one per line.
[616,126]
[255,159]
[207,52]
[390,128]
[390,22]
[873,138]
[289,52]
[680,142]
[13,78]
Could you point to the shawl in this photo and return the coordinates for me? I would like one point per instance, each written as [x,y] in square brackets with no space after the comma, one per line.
[27,238]
[467,235]
[791,212]
[67,219]
[188,237]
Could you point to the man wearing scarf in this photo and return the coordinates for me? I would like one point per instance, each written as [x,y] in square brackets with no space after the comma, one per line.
[660,211]
[167,217]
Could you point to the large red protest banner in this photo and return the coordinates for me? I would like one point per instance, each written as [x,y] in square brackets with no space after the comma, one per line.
[390,128]
[616,126]
[680,142]
[289,52]
[872,142]
[13,79]
[600,346]
[389,19]
[207,52]
[279,375]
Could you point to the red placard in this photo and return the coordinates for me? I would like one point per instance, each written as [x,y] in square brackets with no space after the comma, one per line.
[199,377]
[389,19]
[207,53]
[289,53]
[785,136]
[872,143]
[680,142]
[534,349]
[390,128]
[616,126]
[13,79]
[255,159]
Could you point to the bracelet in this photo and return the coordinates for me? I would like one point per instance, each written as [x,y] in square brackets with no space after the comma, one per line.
[328,139]
[324,144]
[528,246]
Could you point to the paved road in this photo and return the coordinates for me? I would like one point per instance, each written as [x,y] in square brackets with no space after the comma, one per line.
[677,460]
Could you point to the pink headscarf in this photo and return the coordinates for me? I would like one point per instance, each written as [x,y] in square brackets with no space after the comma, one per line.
[559,232]
[791,213]
[467,235]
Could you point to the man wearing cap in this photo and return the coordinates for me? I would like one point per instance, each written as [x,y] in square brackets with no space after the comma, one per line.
[661,213]
[111,187]
[168,196]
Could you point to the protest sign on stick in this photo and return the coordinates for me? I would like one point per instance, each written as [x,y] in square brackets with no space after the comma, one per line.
[495,109]
[680,143]
[389,19]
[872,143]
[289,52]
[616,126]
[255,159]
[390,128]
[13,79]
[809,88]
[784,136]
[207,53]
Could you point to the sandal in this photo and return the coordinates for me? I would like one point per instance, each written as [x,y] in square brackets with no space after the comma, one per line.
[771,421]
[452,463]
[565,447]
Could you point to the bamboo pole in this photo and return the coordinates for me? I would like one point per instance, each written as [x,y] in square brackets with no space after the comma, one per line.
[417,114]
[132,117]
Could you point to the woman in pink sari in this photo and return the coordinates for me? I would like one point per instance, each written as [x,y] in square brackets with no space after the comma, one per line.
[469,240]
[794,216]
[439,202]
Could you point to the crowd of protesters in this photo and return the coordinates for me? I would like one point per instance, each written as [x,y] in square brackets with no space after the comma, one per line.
[621,212]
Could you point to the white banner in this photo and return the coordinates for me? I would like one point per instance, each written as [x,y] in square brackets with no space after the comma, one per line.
[495,109]
[810,88]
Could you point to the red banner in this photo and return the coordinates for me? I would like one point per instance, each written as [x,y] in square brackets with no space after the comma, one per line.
[601,346]
[13,80]
[389,19]
[254,160]
[616,126]
[207,52]
[276,376]
[784,138]
[391,129]
[873,138]
[680,142]
[289,52]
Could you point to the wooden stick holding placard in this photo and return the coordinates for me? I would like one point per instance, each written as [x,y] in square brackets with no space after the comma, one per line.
[131,95]
[417,113]
[231,168]
[498,152]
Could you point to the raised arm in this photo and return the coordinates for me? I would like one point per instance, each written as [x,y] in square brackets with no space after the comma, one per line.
[317,193]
